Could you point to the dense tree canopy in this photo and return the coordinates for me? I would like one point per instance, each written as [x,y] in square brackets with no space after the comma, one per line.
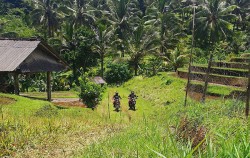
[84,31]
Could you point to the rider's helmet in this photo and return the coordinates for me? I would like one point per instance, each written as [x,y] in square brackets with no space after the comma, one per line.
[116,93]
[132,92]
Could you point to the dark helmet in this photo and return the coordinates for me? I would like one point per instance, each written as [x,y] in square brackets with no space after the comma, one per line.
[132,92]
[116,93]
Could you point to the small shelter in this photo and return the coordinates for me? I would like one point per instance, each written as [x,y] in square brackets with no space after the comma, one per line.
[99,80]
[29,56]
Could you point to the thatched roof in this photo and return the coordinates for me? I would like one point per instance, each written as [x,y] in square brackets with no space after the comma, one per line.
[99,80]
[28,56]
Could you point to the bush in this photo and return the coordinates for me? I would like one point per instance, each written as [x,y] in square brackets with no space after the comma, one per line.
[46,111]
[117,73]
[91,93]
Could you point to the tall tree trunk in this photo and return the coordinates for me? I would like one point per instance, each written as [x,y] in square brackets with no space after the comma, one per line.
[136,68]
[248,92]
[16,83]
[74,70]
[49,86]
[207,78]
[190,60]
[102,64]
[123,53]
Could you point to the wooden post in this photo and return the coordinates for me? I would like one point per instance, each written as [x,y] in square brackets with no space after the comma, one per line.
[16,83]
[248,92]
[108,106]
[49,86]
[190,59]
[207,78]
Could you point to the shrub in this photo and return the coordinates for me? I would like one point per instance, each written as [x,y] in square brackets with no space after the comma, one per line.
[117,73]
[46,111]
[91,93]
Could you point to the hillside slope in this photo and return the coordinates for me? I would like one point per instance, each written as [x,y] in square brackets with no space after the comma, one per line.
[160,125]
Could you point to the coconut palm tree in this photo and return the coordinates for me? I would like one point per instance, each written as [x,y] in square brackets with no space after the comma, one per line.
[78,12]
[176,59]
[213,24]
[45,14]
[161,15]
[104,35]
[142,41]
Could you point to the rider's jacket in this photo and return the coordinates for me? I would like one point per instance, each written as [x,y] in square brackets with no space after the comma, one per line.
[116,97]
[132,96]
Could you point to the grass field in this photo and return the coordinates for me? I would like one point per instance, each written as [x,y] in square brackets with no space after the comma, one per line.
[57,94]
[160,127]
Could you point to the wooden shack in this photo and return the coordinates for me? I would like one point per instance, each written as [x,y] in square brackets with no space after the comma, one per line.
[29,56]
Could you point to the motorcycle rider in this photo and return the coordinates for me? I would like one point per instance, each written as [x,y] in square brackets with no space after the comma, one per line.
[116,96]
[131,96]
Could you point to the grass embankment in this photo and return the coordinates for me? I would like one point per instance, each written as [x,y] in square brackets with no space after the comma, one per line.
[221,68]
[57,94]
[160,125]
[216,89]
[203,73]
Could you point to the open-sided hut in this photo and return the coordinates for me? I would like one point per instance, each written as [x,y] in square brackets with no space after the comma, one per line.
[99,80]
[29,56]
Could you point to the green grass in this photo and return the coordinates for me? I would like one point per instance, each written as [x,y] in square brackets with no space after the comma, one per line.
[57,94]
[220,90]
[32,128]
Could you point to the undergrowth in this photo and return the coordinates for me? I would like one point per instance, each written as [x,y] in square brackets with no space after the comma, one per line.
[160,127]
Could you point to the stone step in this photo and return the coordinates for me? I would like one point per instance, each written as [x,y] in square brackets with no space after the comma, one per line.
[221,70]
[215,78]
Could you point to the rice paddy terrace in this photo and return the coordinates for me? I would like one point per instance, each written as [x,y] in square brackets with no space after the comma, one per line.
[232,74]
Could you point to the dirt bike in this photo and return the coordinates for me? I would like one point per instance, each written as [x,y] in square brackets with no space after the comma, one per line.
[117,104]
[132,103]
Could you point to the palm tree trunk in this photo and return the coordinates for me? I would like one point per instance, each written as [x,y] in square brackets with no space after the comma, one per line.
[123,53]
[207,78]
[74,70]
[136,69]
[102,64]
[248,92]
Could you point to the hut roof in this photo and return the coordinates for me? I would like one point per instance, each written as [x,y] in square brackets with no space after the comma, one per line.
[99,80]
[28,56]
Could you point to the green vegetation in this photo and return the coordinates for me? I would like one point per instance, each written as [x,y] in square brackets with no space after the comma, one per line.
[203,73]
[30,127]
[127,41]
[57,94]
[91,93]
[117,73]
[218,90]
[221,68]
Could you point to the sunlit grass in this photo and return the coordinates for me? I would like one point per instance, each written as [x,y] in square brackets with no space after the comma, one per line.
[57,94]
[33,128]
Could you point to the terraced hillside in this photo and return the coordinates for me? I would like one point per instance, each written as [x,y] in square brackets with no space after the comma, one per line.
[230,73]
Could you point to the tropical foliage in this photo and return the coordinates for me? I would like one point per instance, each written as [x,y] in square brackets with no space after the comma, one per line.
[87,33]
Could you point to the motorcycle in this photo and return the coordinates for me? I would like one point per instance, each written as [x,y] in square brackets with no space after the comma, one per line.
[132,103]
[117,104]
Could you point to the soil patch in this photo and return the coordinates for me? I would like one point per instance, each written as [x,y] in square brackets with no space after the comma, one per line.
[197,96]
[68,102]
[6,100]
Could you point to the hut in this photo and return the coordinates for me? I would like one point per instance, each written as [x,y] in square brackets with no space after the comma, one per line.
[99,80]
[29,56]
